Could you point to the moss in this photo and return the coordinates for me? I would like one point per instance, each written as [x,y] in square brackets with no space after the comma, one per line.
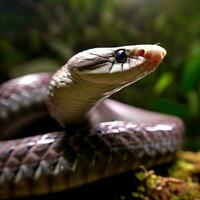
[157,187]
[182,182]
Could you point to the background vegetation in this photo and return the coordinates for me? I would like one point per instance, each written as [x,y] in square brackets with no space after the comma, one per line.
[41,35]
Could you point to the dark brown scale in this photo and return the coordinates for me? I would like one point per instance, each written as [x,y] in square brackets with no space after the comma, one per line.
[27,95]
[51,165]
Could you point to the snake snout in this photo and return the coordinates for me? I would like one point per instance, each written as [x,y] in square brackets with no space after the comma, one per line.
[150,52]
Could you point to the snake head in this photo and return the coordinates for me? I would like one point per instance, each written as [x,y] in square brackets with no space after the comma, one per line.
[116,65]
[92,75]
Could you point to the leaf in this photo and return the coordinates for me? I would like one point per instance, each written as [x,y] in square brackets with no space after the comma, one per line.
[163,82]
[191,71]
[170,107]
[193,103]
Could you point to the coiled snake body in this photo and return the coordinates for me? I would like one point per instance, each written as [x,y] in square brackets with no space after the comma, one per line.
[114,138]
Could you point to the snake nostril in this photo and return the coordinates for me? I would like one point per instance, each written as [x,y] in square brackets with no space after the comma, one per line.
[139,52]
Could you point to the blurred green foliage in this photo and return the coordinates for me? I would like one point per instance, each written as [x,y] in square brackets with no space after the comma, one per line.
[42,35]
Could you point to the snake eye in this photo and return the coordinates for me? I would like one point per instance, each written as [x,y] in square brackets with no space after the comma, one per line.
[120,56]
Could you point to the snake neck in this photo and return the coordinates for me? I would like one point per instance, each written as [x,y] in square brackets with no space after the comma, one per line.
[72,99]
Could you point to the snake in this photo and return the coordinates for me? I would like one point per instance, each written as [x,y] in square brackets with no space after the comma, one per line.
[84,135]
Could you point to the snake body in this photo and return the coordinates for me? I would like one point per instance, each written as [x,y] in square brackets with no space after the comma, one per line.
[99,137]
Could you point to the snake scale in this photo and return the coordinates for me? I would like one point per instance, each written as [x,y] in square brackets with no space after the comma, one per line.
[98,137]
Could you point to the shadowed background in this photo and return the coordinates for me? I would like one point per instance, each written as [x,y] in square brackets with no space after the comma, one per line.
[40,36]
